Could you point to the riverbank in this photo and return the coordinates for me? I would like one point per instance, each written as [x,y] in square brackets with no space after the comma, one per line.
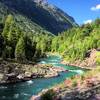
[13,72]
[90,62]
[85,84]
[81,86]
[85,87]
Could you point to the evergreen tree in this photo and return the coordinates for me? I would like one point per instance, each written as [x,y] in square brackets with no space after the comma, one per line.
[29,48]
[7,27]
[20,50]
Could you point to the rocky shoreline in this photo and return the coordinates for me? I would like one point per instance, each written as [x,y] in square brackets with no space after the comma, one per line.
[88,94]
[15,72]
[88,63]
[85,87]
[90,86]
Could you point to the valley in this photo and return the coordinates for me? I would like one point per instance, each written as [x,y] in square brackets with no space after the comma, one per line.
[46,55]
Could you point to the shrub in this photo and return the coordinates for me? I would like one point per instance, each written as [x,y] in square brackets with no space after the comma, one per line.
[74,83]
[49,95]
[98,58]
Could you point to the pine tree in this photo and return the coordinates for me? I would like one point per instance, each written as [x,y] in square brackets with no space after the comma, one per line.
[20,50]
[8,25]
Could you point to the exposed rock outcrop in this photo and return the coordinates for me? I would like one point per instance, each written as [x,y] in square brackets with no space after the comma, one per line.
[15,72]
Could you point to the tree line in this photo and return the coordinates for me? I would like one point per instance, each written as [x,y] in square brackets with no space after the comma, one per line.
[72,44]
[19,45]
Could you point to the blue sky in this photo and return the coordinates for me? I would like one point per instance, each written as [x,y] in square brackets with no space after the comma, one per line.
[83,11]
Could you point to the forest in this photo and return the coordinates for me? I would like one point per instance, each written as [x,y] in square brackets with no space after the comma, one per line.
[19,45]
[72,44]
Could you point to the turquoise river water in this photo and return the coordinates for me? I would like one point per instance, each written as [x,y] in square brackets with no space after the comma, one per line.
[24,90]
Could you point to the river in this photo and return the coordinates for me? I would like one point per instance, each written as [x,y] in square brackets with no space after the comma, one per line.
[24,90]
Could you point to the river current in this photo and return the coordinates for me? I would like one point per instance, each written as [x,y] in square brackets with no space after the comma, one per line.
[24,90]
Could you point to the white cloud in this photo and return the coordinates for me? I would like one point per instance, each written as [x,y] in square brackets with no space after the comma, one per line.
[95,8]
[88,21]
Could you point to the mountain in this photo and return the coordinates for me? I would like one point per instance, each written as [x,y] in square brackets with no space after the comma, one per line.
[36,15]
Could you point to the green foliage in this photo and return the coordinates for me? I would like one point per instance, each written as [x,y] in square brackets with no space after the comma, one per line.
[1,44]
[29,48]
[8,52]
[97,22]
[20,50]
[74,83]
[15,43]
[74,43]
[98,58]
[8,26]
[49,95]
[34,18]
[13,36]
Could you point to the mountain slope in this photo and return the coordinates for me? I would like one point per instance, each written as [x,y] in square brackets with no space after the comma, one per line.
[25,24]
[42,15]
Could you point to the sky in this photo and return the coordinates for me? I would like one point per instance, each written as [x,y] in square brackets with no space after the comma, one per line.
[83,11]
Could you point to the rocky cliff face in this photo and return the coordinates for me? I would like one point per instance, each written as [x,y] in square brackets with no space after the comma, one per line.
[39,13]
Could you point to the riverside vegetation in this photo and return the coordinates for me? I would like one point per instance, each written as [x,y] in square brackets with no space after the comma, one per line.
[21,49]
[73,44]
[84,87]
[78,44]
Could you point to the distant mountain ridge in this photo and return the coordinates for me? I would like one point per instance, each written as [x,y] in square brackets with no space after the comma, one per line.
[31,14]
